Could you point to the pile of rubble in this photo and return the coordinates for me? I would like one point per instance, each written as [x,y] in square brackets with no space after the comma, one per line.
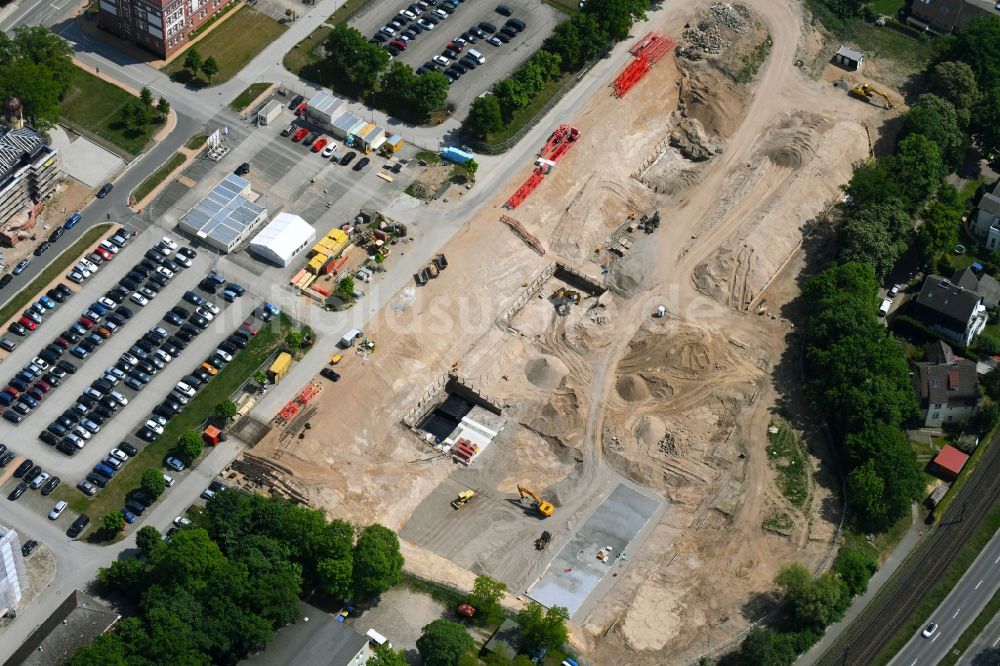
[735,17]
[707,38]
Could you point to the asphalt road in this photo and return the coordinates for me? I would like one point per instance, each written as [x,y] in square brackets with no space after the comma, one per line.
[985,650]
[962,605]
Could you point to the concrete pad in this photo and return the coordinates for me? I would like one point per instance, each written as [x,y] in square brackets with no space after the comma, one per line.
[574,574]
[83,159]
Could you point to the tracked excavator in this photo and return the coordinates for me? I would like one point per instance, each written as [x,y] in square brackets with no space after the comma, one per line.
[562,298]
[537,503]
[866,92]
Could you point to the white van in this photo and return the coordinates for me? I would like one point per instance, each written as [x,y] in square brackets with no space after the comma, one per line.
[883,309]
[477,55]
[377,638]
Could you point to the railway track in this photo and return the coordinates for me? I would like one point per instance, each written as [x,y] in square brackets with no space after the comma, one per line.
[868,635]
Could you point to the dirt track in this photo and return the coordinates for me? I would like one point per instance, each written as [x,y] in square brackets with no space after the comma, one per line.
[591,396]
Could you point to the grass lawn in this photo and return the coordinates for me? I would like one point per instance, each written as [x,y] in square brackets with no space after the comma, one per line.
[158,176]
[969,189]
[196,142]
[93,106]
[233,44]
[527,114]
[888,7]
[565,6]
[302,56]
[195,413]
[910,55]
[786,454]
[252,92]
[55,267]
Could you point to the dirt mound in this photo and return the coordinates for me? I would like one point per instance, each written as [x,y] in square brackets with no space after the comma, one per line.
[711,98]
[650,430]
[545,371]
[632,388]
[793,142]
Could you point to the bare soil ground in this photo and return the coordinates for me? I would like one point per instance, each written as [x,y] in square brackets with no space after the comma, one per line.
[680,405]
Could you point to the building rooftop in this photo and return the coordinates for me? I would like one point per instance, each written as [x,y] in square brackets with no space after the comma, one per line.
[951,459]
[77,622]
[950,300]
[316,640]
[954,382]
[17,147]
[849,53]
[225,212]
[324,102]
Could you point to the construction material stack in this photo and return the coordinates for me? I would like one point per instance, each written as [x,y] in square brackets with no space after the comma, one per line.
[647,51]
[559,143]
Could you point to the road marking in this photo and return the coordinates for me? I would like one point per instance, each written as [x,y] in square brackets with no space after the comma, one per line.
[956,613]
[995,642]
[978,584]
[935,638]
[996,560]
[914,662]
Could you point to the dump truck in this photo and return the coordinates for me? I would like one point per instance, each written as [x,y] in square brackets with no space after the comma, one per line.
[536,502]
[462,499]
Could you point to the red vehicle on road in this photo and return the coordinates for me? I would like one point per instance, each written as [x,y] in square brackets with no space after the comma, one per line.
[300,134]
[319,145]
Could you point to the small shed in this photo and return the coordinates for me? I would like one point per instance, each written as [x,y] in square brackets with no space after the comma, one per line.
[848,58]
[212,435]
[269,112]
[280,366]
[392,144]
[949,463]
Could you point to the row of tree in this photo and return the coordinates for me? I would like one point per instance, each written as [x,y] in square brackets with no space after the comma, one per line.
[572,44]
[141,114]
[195,64]
[360,68]
[216,593]
[36,66]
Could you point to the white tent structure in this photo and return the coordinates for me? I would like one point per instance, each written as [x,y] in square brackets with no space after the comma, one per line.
[284,237]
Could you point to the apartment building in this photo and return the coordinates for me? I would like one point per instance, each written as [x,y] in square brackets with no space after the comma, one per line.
[29,171]
[160,26]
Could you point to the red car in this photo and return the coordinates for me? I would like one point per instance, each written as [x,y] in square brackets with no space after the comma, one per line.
[13,391]
[62,342]
[301,109]
[319,145]
[86,322]
[27,323]
[456,47]
[105,255]
[399,44]
[300,134]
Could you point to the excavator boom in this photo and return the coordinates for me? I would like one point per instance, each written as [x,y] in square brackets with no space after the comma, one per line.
[544,508]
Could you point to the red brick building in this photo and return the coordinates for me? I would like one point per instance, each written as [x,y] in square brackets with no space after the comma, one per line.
[160,26]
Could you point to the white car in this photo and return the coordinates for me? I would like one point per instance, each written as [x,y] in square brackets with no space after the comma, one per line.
[148,293]
[894,291]
[181,521]
[329,150]
[82,433]
[202,312]
[40,363]
[163,356]
[138,299]
[407,13]
[168,242]
[39,480]
[388,29]
[57,510]
[225,356]
[110,247]
[441,60]
[154,426]
[121,455]
[929,630]
[107,302]
[122,400]
[425,24]
[183,261]
[211,306]
[169,480]
[185,389]
[165,272]
[883,309]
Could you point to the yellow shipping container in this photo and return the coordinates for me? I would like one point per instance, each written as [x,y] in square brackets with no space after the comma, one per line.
[316,263]
[280,366]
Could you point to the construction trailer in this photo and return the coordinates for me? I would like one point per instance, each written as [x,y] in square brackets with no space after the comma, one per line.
[393,145]
[348,339]
[280,366]
[269,112]
[455,155]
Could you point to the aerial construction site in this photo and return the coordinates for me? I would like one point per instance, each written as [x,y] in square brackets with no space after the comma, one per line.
[579,405]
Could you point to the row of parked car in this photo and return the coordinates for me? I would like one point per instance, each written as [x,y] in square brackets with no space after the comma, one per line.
[326,147]
[41,249]
[454,64]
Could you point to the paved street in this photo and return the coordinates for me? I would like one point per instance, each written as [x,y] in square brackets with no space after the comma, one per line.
[962,605]
[985,650]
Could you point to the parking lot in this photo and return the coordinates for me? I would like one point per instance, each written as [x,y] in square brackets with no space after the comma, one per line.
[290,177]
[22,439]
[501,60]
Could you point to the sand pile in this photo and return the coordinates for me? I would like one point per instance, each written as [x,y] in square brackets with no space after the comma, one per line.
[632,388]
[650,430]
[546,371]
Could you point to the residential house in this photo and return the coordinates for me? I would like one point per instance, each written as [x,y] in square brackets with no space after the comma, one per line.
[946,16]
[317,639]
[985,285]
[947,386]
[951,311]
[76,622]
[985,220]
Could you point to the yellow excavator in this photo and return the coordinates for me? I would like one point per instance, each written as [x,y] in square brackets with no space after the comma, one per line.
[462,499]
[537,503]
[865,92]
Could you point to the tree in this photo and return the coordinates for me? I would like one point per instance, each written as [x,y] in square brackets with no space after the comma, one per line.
[293,339]
[124,576]
[377,561]
[548,63]
[190,555]
[991,383]
[484,117]
[543,630]
[336,576]
[36,66]
[226,409]
[616,16]
[190,445]
[919,169]
[443,642]
[132,116]
[352,60]
[430,92]
[146,97]
[345,288]
[814,603]
[937,119]
[210,68]
[260,377]
[877,235]
[383,655]
[511,95]
[113,522]
[873,183]
[855,567]
[193,62]
[939,231]
[148,539]
[978,45]
[471,167]
[955,82]
[577,41]
[486,596]
[106,650]
[163,107]
[152,482]
[763,646]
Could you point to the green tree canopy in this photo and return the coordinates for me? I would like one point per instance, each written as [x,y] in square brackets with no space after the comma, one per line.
[113,522]
[939,231]
[226,409]
[873,183]
[919,169]
[383,655]
[36,66]
[377,561]
[124,576]
[152,482]
[486,596]
[543,629]
[977,45]
[443,642]
[855,567]
[146,96]
[511,95]
[577,41]
[293,339]
[190,445]
[616,16]
[193,61]
[937,119]
[353,60]
[814,602]
[484,117]
[956,82]
[148,539]
[163,107]
[210,68]
[336,576]
[877,235]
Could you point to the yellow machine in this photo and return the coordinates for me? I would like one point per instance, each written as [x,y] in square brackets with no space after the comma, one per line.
[335,359]
[462,499]
[543,507]
[562,298]
[864,91]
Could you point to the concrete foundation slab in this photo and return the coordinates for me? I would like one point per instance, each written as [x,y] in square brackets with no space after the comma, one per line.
[83,159]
